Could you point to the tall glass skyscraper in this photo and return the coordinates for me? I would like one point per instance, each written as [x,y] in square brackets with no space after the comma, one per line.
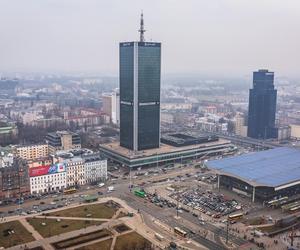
[262,106]
[140,64]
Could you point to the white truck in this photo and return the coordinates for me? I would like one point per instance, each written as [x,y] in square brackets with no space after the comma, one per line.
[101,185]
[110,189]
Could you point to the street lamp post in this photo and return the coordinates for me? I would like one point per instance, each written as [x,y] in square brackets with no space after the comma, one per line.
[227,230]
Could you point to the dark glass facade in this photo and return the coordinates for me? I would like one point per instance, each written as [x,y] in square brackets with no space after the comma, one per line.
[140,64]
[262,106]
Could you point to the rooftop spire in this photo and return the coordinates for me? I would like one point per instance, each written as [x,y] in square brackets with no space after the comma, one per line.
[142,30]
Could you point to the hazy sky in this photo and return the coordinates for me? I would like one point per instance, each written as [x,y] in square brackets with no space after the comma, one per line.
[227,37]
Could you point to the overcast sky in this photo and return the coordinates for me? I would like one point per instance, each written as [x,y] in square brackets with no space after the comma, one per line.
[224,37]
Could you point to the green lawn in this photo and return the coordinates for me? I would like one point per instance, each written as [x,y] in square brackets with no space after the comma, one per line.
[132,241]
[103,245]
[20,235]
[54,227]
[100,210]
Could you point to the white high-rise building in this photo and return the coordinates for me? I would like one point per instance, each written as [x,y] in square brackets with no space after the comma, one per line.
[111,105]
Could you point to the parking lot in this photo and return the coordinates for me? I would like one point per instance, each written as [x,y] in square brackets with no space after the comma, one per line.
[206,201]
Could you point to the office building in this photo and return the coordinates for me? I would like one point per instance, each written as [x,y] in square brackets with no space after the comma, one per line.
[62,140]
[262,106]
[140,66]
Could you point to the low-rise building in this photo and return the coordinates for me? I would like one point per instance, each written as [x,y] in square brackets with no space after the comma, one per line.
[48,178]
[239,126]
[295,131]
[11,130]
[75,171]
[30,152]
[95,168]
[14,180]
[6,157]
[284,133]
[44,161]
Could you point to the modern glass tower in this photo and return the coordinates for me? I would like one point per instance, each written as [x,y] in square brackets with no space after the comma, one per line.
[262,106]
[140,64]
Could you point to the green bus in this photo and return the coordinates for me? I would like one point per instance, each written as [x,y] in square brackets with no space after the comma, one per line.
[140,193]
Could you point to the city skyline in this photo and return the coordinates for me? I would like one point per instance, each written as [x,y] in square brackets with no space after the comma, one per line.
[211,38]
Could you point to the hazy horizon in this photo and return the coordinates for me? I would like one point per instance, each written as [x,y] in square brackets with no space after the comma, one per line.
[200,37]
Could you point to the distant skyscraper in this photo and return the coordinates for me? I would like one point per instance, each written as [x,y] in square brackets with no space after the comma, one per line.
[140,93]
[262,106]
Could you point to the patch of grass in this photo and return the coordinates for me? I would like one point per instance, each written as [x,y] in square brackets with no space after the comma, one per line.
[74,241]
[54,227]
[20,235]
[101,210]
[269,228]
[132,241]
[121,228]
[255,221]
[103,245]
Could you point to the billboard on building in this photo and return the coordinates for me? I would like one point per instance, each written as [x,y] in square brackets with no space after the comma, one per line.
[47,169]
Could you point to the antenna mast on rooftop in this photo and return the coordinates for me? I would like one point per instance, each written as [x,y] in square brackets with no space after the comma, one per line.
[142,30]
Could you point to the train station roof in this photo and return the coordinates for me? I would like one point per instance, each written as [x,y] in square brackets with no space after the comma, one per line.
[278,168]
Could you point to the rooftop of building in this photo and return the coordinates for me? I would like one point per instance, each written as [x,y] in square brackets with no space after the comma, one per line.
[163,149]
[31,145]
[274,168]
[61,133]
[73,159]
[184,139]
[83,153]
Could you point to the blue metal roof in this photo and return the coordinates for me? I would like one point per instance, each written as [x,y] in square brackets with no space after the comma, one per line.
[274,167]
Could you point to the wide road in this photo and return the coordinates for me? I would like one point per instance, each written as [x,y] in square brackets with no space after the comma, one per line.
[166,215]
